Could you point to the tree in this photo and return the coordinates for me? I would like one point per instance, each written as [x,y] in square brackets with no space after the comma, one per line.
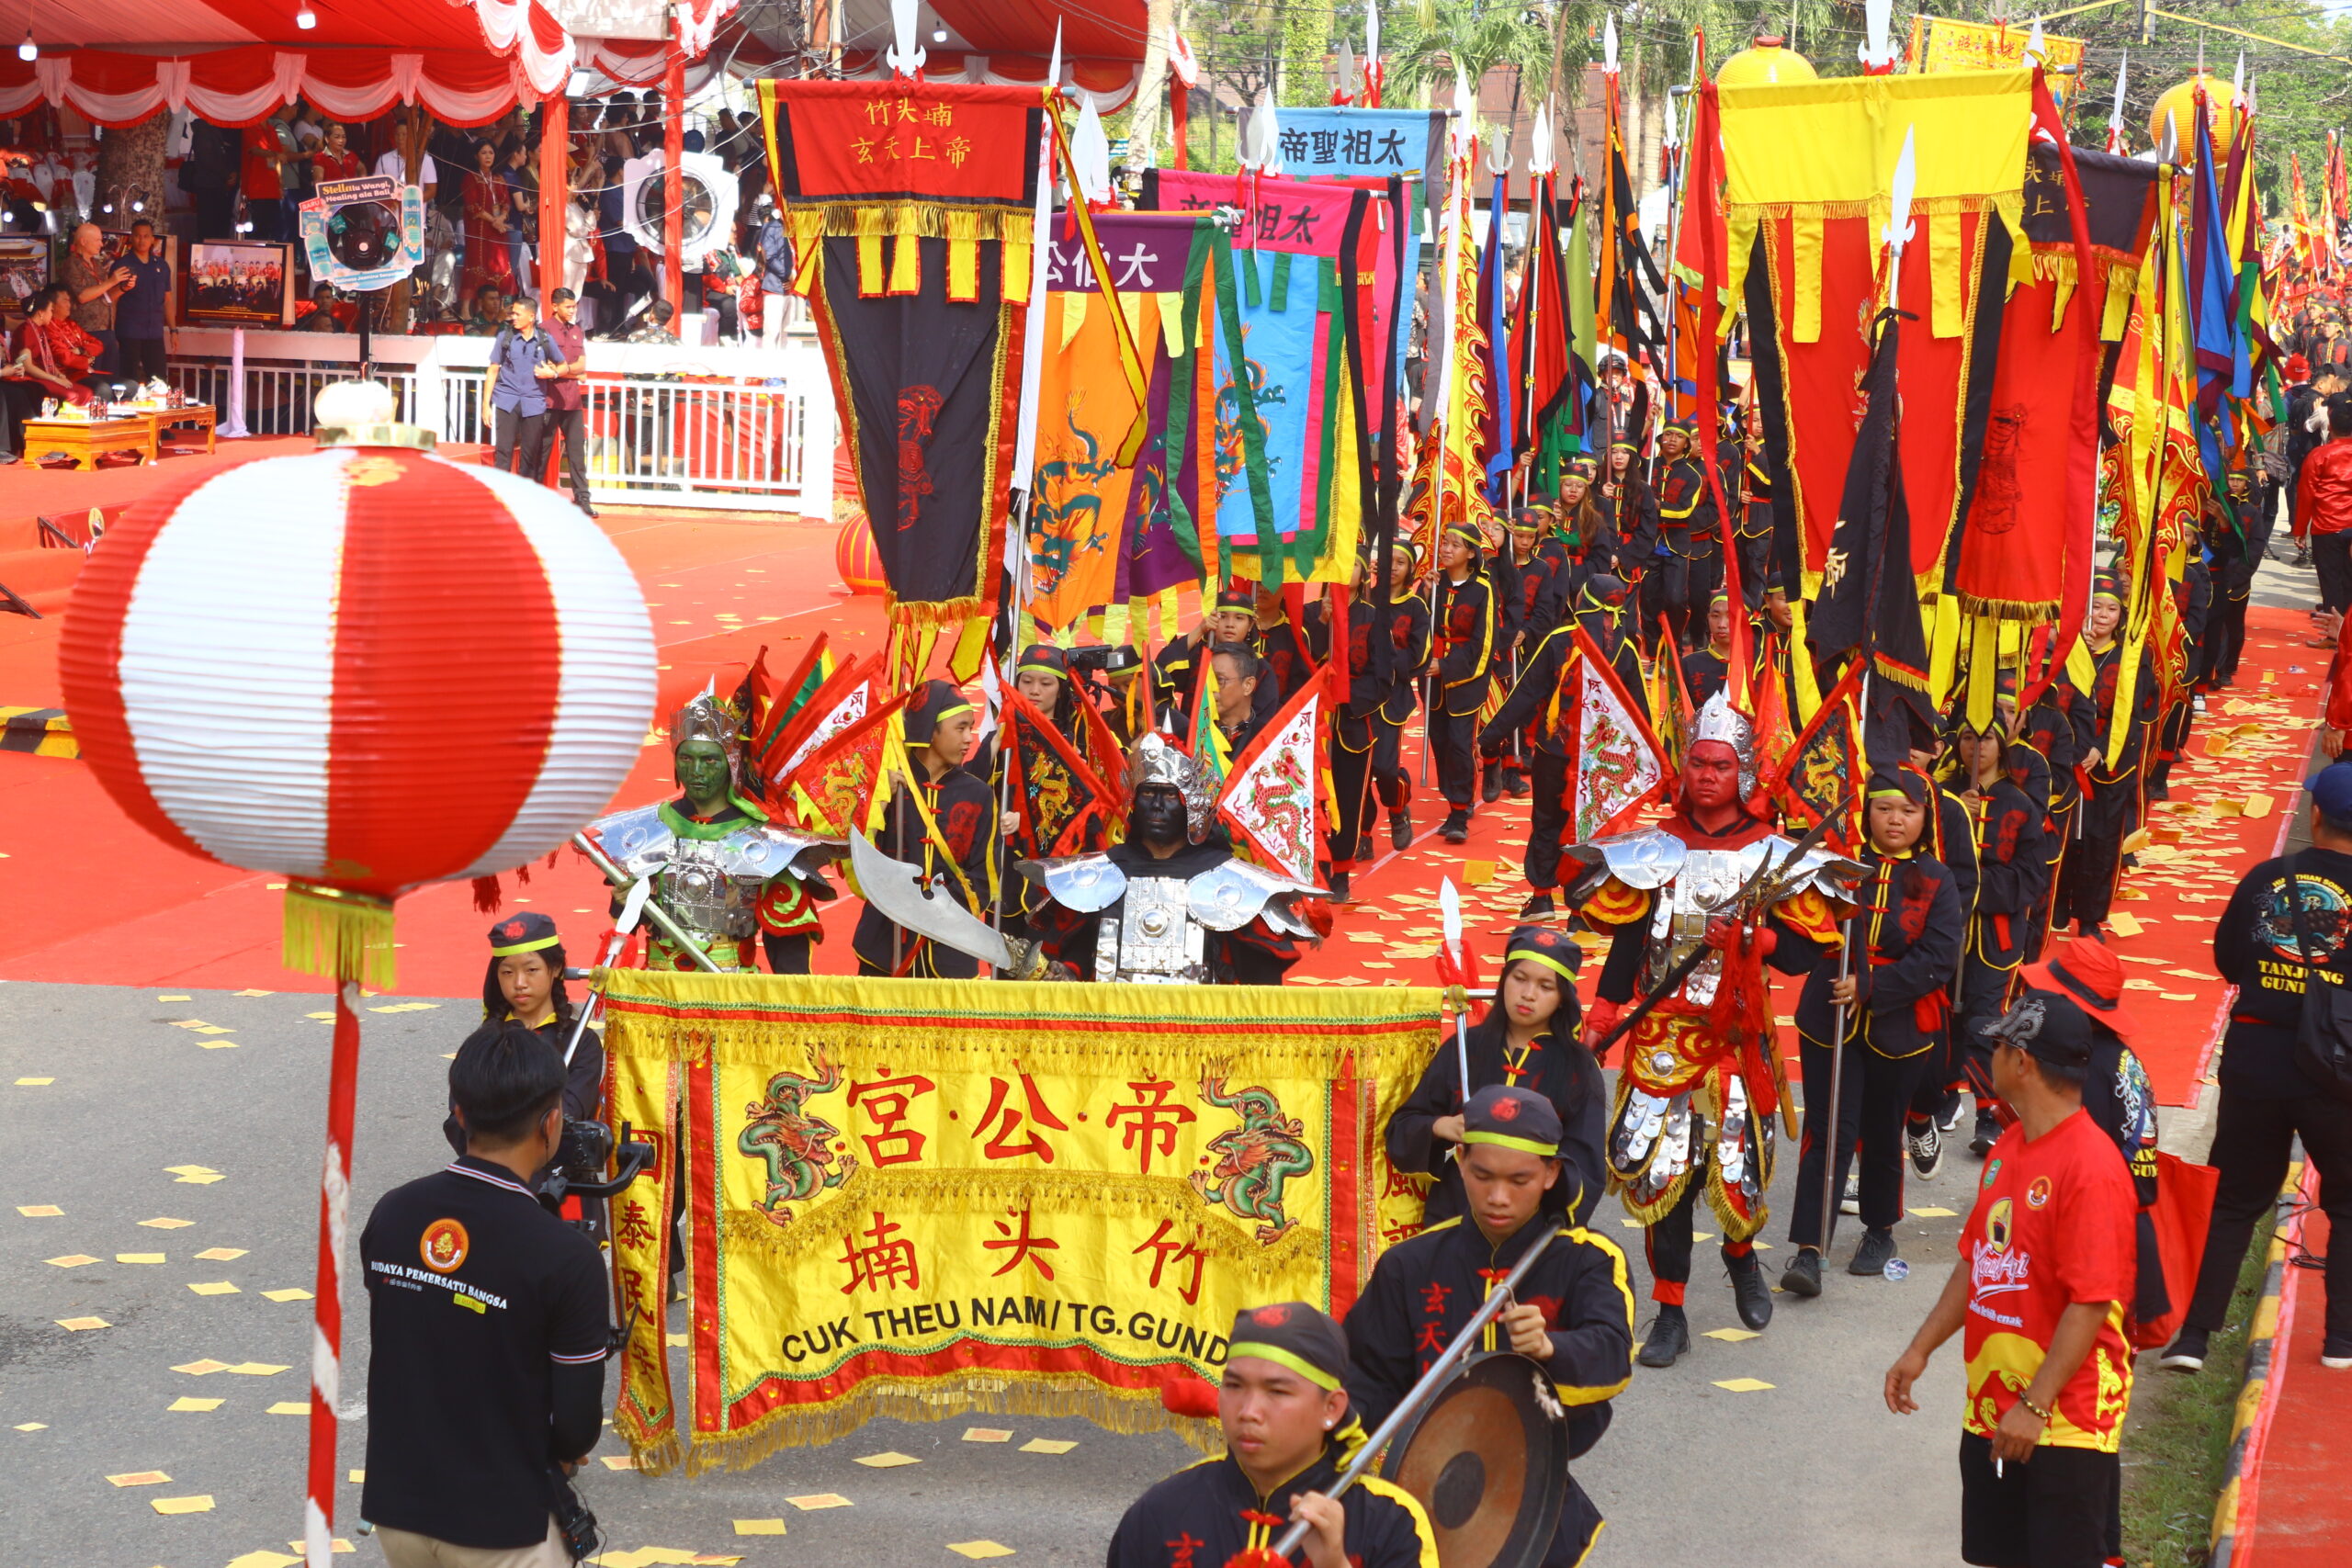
[130,169]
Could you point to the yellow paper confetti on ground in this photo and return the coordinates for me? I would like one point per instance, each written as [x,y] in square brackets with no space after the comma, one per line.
[1931,1214]
[986,1435]
[286,1295]
[816,1500]
[407,1007]
[1743,1385]
[1477,873]
[1048,1446]
[138,1257]
[265,1558]
[221,1254]
[40,1210]
[204,1367]
[1731,1336]
[256,1370]
[140,1478]
[214,1288]
[71,1260]
[34,1083]
[337,1546]
[979,1548]
[2258,805]
[252,993]
[200,1504]
[357,1476]
[290,1407]
[203,1178]
[190,1405]
[887,1460]
[32,1426]
[618,1462]
[82,1324]
[2123,924]
[166,1224]
[759,1527]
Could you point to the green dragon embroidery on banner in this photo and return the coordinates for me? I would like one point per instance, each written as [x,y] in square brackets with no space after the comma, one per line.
[1255,1159]
[1065,517]
[796,1147]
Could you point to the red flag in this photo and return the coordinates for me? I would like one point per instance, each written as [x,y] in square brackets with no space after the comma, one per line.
[838,782]
[841,701]
[1033,796]
[1269,799]
[1704,262]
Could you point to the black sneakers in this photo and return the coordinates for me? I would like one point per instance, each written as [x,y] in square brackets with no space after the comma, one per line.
[1748,1291]
[1457,830]
[1988,1132]
[1518,784]
[1925,1142]
[1537,907]
[1803,1276]
[1400,829]
[1876,1251]
[2186,1353]
[1339,888]
[1492,790]
[1669,1337]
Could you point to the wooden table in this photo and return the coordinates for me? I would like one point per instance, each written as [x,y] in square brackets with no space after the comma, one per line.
[200,415]
[85,439]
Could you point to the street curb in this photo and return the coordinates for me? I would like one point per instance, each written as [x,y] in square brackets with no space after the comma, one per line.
[44,732]
[2256,1403]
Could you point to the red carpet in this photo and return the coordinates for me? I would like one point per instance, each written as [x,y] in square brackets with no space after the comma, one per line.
[2293,1510]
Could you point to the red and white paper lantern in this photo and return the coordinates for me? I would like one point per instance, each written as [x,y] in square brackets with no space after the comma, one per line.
[366,667]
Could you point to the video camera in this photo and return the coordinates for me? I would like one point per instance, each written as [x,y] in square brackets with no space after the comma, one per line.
[580,1157]
[1113,658]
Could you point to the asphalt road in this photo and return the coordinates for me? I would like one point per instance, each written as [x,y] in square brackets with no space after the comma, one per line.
[1810,1470]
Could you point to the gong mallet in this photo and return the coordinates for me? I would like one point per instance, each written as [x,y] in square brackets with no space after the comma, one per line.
[619,878]
[1432,1383]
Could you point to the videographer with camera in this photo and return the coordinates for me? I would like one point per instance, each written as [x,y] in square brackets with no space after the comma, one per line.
[487,1327]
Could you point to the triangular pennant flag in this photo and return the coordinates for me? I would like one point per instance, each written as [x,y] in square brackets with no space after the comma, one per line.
[836,786]
[846,697]
[1615,759]
[1269,800]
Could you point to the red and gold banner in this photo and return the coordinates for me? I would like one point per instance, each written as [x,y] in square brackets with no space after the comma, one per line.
[1808,166]
[925,1198]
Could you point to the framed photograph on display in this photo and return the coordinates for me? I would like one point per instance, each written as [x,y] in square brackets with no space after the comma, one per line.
[237,283]
[23,268]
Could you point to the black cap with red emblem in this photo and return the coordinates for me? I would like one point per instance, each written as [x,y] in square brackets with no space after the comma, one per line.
[1294,1335]
[529,931]
[1512,1118]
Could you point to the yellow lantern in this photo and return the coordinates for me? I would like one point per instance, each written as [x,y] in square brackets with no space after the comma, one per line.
[1767,60]
[2179,107]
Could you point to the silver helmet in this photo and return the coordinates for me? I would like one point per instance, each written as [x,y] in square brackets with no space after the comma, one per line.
[1718,720]
[1157,760]
[707,718]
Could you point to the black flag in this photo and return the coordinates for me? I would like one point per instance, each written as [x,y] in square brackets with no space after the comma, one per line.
[1869,604]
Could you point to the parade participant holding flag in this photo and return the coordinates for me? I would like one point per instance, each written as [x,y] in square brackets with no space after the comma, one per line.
[1528,1040]
[1288,1434]
[1693,563]
[1886,1006]
[942,819]
[1367,728]
[1574,1312]
[1692,921]
[1462,643]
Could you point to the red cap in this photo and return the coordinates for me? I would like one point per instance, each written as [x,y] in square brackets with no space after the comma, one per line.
[2091,973]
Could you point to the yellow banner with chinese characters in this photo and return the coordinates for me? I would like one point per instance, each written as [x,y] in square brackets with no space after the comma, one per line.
[1941,43]
[926,1198]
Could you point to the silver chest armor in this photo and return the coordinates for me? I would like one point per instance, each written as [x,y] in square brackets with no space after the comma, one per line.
[1705,884]
[1155,940]
[1159,935]
[708,886]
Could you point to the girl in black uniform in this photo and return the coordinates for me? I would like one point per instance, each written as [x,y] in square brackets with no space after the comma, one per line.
[1463,638]
[960,857]
[1528,1040]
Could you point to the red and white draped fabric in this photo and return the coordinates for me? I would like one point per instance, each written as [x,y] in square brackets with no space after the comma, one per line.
[1109,84]
[466,61]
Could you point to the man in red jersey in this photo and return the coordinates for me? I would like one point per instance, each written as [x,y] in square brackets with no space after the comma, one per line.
[2047,1262]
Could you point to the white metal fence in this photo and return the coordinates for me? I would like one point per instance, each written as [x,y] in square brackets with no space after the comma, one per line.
[725,429]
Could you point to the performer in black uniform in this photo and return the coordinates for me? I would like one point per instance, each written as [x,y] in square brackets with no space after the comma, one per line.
[1527,599]
[1906,946]
[2112,806]
[1707,670]
[1463,640]
[1574,1313]
[1528,1040]
[1530,710]
[1693,562]
[1750,496]
[1631,508]
[957,846]
[1288,1434]
[1286,665]
[1176,673]
[2058,728]
[1367,729]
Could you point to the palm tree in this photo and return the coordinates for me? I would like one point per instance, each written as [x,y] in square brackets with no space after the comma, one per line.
[1425,44]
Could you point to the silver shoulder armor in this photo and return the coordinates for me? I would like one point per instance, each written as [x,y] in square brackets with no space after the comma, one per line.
[1228,897]
[1825,870]
[639,841]
[765,851]
[1647,860]
[1083,883]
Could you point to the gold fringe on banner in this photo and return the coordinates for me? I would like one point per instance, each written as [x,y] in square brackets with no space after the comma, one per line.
[912,219]
[955,1192]
[2032,612]
[1044,1394]
[865,1022]
[341,935]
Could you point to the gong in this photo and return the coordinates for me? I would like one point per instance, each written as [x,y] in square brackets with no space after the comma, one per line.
[1488,1461]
